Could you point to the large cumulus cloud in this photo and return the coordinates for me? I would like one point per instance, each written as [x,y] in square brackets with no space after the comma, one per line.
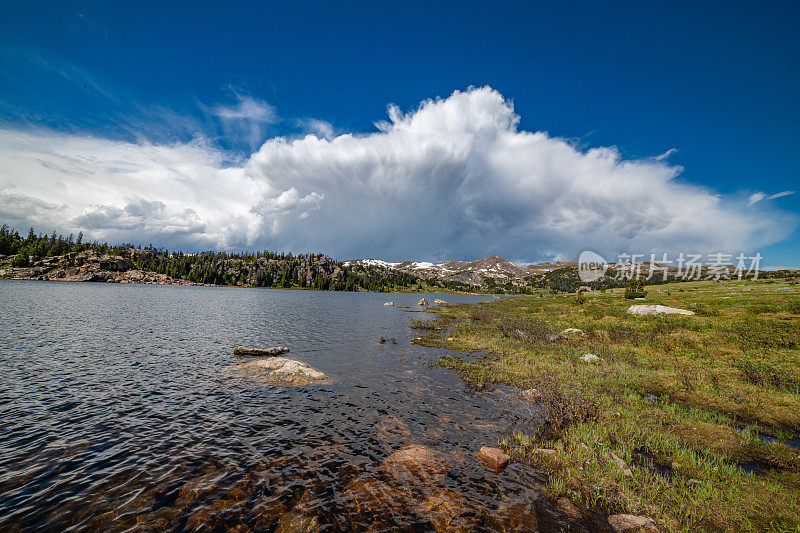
[455,178]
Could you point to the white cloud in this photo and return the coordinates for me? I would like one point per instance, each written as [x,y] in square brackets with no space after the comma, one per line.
[453,178]
[758,196]
[247,120]
[320,128]
[666,154]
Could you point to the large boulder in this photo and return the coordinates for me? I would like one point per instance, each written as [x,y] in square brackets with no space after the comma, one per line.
[423,302]
[277,371]
[645,310]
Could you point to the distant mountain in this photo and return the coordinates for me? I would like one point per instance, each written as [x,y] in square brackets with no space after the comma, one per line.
[474,273]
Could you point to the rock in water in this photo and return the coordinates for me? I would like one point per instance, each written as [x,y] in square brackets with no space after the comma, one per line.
[389,304]
[656,310]
[275,350]
[423,301]
[278,371]
[437,301]
[416,464]
[449,512]
[493,458]
[630,522]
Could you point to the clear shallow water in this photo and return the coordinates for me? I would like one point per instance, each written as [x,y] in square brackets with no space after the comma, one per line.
[116,415]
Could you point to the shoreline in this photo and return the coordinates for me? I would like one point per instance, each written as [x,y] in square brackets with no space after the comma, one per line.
[648,424]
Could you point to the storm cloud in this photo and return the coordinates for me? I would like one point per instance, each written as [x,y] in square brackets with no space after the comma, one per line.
[453,178]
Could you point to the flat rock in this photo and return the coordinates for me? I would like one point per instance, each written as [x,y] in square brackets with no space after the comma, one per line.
[630,522]
[277,371]
[645,310]
[437,301]
[573,331]
[275,350]
[493,458]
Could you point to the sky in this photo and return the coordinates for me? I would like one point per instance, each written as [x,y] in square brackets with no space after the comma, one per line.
[425,131]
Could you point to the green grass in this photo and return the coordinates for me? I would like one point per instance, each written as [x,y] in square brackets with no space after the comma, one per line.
[690,394]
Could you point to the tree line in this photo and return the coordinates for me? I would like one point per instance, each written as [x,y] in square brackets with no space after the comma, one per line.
[255,269]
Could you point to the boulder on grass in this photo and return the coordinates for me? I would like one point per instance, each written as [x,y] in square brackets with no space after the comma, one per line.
[646,310]
[630,522]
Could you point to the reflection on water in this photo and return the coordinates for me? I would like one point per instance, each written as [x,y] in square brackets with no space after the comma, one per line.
[116,417]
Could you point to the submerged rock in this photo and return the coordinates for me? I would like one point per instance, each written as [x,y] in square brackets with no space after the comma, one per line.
[493,458]
[630,522]
[514,515]
[416,463]
[275,350]
[278,371]
[645,310]
[370,502]
[298,523]
[449,511]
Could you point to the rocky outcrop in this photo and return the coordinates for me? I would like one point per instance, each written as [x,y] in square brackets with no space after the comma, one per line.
[90,266]
[645,310]
[276,371]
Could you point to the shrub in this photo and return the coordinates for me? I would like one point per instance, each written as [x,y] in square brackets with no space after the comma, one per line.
[635,289]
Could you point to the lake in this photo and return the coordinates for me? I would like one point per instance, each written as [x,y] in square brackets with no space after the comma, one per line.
[116,416]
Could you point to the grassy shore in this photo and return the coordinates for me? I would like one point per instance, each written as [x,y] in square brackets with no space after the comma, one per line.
[688,402]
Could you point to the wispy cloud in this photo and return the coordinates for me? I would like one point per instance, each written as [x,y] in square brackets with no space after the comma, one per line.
[453,178]
[666,154]
[759,196]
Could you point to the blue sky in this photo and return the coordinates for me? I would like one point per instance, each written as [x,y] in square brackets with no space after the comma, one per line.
[717,84]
